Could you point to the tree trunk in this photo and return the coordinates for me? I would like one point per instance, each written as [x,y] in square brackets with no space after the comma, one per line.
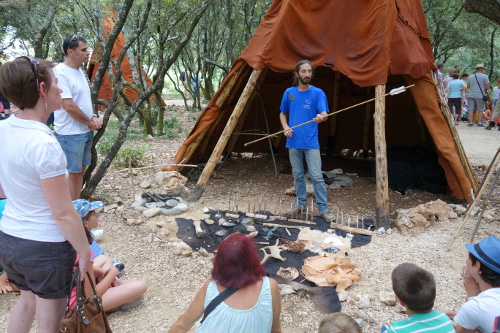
[486,8]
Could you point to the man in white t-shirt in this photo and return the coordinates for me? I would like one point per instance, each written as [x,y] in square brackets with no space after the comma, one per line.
[75,122]
[481,277]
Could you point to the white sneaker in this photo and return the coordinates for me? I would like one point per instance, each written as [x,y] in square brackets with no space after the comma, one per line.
[97,233]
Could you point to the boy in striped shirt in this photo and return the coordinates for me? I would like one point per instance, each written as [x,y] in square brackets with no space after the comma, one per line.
[415,289]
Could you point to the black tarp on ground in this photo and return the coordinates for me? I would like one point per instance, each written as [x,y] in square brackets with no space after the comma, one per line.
[325,300]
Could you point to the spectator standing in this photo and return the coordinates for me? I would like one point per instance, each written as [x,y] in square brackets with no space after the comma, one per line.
[40,229]
[75,122]
[478,88]
[455,88]
[440,68]
[4,106]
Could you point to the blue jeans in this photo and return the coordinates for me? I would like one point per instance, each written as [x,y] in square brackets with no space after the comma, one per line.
[77,150]
[313,160]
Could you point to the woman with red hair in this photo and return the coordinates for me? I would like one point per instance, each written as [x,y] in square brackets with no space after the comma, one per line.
[255,305]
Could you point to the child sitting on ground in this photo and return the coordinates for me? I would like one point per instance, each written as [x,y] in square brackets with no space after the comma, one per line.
[415,289]
[338,322]
[114,292]
[481,278]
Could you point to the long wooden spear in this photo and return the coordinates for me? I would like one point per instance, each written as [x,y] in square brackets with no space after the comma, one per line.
[394,91]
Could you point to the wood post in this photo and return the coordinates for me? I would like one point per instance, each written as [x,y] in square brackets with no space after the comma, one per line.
[382,191]
[366,125]
[333,121]
[226,134]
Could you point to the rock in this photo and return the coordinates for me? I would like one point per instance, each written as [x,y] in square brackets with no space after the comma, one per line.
[155,204]
[302,313]
[119,211]
[138,207]
[360,322]
[161,224]
[206,210]
[380,231]
[130,221]
[286,290]
[152,212]
[209,221]
[170,178]
[489,215]
[342,294]
[182,249]
[150,238]
[388,297]
[458,209]
[171,211]
[118,200]
[182,206]
[165,230]
[203,252]
[364,302]
[334,186]
[162,236]
[333,173]
[140,199]
[109,208]
[344,179]
[145,184]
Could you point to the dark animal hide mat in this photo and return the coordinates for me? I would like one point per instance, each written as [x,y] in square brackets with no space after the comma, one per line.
[325,299]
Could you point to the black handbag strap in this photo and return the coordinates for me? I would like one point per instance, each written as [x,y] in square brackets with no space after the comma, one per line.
[481,90]
[216,301]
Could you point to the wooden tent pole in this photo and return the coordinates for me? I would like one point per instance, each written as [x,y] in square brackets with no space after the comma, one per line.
[226,134]
[366,126]
[382,192]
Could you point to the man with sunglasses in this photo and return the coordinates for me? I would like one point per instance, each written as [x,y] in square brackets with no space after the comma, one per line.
[75,122]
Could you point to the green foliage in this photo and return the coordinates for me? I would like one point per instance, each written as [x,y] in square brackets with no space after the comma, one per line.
[172,127]
[130,156]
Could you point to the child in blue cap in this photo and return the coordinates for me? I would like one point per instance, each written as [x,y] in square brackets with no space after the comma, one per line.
[113,291]
[481,278]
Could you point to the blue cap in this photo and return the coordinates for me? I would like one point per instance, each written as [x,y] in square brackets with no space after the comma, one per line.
[83,207]
[487,252]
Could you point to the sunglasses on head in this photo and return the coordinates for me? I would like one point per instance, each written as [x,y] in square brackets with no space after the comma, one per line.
[34,67]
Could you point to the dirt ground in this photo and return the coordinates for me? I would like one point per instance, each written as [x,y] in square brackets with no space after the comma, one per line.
[174,280]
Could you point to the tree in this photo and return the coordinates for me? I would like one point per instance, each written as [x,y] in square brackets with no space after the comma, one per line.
[487,8]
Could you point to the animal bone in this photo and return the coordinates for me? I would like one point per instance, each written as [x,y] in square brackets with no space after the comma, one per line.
[199,231]
[222,220]
[289,273]
[274,252]
[253,234]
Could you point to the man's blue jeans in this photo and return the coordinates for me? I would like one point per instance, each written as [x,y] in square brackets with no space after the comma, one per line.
[313,160]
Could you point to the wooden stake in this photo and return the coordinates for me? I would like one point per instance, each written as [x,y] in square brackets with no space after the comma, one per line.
[301,221]
[307,214]
[226,134]
[382,183]
[350,229]
[283,226]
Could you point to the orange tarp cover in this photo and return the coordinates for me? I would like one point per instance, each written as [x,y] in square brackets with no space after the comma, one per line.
[369,42]
[105,91]
[364,40]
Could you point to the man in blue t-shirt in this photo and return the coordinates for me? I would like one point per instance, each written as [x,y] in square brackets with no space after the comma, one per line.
[304,102]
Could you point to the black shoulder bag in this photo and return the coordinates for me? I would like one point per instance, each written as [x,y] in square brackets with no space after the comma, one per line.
[216,301]
[486,97]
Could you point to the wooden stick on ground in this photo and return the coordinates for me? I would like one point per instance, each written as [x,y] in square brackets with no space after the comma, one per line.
[283,226]
[351,230]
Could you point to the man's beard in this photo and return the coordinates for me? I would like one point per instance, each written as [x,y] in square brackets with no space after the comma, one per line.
[305,81]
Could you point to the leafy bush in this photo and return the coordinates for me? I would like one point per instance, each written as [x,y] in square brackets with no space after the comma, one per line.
[172,128]
[134,154]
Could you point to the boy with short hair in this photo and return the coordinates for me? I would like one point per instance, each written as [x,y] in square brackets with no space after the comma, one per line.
[481,277]
[415,289]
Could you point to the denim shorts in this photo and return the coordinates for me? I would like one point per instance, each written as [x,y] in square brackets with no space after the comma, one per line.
[43,268]
[77,150]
